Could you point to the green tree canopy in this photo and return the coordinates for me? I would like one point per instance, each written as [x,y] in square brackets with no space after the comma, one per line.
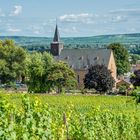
[62,76]
[12,61]
[122,58]
[135,58]
[38,67]
[99,78]
[45,74]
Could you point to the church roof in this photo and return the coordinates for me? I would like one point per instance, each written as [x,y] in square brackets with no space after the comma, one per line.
[83,58]
[56,35]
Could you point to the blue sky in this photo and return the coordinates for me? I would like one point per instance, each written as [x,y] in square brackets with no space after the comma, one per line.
[74,17]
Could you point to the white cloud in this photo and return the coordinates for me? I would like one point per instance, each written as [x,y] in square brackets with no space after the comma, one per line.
[36,29]
[70,30]
[126,11]
[14,30]
[122,15]
[37,32]
[74,18]
[119,18]
[17,10]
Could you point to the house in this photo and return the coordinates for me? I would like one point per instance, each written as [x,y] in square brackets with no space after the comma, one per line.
[81,59]
[124,82]
[135,67]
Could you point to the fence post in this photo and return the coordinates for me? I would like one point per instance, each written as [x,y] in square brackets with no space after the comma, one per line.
[66,124]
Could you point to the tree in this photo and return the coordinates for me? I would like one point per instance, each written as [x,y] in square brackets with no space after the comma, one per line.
[44,74]
[99,78]
[135,78]
[136,94]
[12,61]
[122,58]
[61,76]
[135,58]
[38,68]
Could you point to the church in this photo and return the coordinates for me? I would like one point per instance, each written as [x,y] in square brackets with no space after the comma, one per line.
[81,59]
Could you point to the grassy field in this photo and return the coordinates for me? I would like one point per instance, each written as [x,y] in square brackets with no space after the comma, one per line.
[81,103]
[73,117]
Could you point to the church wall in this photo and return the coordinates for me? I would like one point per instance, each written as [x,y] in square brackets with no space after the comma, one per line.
[80,74]
[112,66]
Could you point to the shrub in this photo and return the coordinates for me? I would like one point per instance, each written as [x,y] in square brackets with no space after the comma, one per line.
[99,78]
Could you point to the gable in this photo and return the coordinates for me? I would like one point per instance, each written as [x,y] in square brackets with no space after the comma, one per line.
[112,66]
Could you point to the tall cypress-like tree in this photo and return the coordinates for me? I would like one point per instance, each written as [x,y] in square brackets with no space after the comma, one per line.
[99,78]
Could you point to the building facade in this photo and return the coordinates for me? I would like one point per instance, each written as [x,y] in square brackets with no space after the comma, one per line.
[81,59]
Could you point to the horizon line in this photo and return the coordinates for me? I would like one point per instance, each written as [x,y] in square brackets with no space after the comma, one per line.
[67,36]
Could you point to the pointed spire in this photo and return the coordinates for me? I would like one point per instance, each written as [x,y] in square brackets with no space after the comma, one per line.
[56,35]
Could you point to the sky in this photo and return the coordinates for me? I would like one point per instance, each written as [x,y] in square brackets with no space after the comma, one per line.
[75,18]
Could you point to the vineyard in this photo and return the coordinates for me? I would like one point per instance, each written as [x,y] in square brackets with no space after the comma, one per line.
[68,117]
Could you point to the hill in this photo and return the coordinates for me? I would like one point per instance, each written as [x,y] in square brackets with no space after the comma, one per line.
[102,39]
[42,43]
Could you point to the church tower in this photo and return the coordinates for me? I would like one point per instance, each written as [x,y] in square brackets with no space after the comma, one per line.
[56,45]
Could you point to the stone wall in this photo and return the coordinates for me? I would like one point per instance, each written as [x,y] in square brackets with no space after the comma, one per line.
[80,77]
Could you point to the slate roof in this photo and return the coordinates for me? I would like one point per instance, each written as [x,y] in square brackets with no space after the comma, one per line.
[81,59]
[124,80]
